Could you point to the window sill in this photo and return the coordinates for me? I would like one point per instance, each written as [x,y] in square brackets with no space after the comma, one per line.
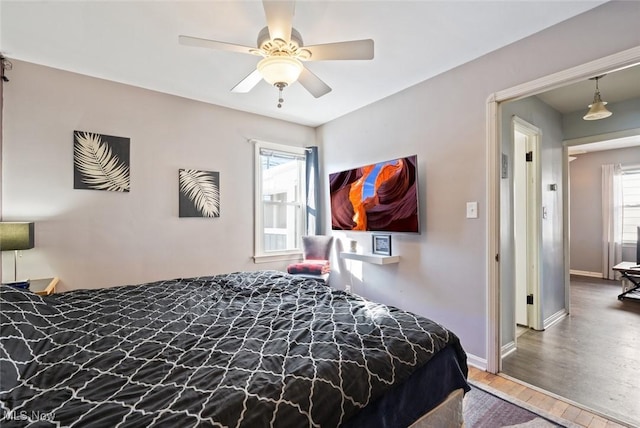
[267,258]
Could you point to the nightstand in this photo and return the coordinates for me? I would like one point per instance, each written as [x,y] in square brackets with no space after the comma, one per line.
[43,286]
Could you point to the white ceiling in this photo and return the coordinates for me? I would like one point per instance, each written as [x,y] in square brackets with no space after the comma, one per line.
[136,42]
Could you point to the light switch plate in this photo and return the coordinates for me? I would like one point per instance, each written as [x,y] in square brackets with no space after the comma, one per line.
[472,210]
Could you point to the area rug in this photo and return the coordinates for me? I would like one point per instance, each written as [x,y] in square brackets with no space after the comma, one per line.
[483,409]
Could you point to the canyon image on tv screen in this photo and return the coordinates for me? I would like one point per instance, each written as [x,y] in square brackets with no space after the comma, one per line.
[381,197]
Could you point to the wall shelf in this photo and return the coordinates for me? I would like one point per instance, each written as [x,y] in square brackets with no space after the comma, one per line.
[376,259]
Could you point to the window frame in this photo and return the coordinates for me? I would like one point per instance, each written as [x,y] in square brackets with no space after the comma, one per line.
[260,255]
[631,170]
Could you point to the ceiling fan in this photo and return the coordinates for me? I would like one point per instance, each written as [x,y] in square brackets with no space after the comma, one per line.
[282,51]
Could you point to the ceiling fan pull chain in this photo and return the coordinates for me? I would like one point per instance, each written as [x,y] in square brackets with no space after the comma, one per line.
[280,87]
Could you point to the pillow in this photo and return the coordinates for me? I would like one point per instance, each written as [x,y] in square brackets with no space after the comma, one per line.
[317,247]
[309,267]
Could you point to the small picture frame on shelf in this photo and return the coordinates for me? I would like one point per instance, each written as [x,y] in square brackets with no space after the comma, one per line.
[381,244]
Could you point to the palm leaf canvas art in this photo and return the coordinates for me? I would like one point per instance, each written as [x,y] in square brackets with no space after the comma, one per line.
[199,193]
[100,162]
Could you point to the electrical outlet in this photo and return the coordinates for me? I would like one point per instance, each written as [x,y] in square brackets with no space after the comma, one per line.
[347,288]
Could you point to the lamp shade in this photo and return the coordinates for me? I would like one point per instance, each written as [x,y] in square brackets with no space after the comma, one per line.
[16,236]
[280,69]
[597,111]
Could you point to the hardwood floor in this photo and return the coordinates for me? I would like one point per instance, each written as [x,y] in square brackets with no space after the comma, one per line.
[591,357]
[541,401]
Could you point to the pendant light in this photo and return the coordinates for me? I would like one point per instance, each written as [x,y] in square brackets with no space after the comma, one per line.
[597,109]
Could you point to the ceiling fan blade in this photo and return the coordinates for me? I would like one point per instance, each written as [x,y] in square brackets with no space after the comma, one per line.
[248,82]
[279,16]
[213,44]
[313,83]
[355,49]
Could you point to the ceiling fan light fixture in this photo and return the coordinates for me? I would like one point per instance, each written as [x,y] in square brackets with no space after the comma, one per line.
[597,109]
[280,69]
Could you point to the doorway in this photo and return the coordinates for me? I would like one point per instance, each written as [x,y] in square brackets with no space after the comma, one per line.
[614,62]
[494,162]
[526,223]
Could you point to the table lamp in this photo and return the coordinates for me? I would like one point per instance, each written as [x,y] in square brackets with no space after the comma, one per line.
[16,236]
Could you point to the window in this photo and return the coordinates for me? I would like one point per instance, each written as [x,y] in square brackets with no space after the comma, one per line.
[280,201]
[631,205]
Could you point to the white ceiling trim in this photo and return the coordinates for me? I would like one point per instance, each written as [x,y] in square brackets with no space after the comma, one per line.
[624,59]
[609,141]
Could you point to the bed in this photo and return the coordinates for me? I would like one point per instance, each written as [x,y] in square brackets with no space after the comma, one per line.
[245,349]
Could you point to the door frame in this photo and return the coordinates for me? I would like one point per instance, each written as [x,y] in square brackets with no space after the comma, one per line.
[609,63]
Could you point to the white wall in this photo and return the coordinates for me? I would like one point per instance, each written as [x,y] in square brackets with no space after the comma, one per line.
[442,272]
[92,238]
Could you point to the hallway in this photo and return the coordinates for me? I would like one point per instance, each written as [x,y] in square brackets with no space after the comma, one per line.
[590,357]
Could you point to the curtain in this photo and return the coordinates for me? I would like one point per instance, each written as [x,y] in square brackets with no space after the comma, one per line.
[611,219]
[314,213]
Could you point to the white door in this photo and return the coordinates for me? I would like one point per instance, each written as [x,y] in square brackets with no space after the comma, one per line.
[527,217]
[520,225]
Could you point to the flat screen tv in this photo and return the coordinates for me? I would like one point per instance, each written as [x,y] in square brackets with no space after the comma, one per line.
[382,197]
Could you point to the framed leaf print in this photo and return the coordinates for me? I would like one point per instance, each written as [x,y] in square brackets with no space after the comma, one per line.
[199,193]
[100,162]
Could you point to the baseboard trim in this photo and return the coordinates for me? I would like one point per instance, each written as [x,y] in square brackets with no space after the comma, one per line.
[557,317]
[477,362]
[586,273]
[508,349]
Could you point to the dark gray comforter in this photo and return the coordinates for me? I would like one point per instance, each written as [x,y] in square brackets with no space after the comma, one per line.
[248,349]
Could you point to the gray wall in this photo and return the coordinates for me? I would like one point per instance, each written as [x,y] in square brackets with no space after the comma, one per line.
[92,238]
[549,121]
[585,177]
[442,272]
